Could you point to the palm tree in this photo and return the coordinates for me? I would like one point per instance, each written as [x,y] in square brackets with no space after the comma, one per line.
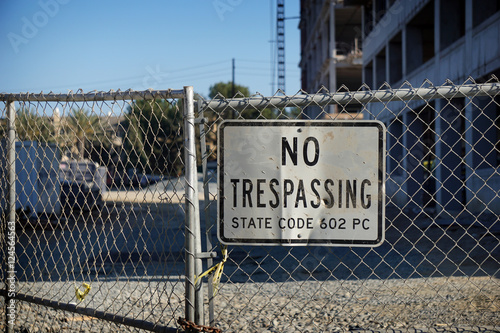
[32,127]
[154,136]
[83,127]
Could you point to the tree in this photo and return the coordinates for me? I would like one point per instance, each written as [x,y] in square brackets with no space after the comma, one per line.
[82,128]
[226,90]
[294,112]
[31,127]
[154,136]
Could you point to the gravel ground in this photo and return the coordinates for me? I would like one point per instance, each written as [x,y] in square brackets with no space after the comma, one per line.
[425,304]
[456,304]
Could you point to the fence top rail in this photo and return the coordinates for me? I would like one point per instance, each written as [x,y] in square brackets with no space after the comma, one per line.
[260,101]
[357,97]
[80,96]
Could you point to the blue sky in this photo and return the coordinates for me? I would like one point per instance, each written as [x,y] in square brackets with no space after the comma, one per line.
[62,45]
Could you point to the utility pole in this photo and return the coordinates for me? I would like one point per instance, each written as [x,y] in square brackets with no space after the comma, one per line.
[233,92]
[232,87]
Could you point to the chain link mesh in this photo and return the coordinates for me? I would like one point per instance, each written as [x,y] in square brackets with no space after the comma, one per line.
[438,268]
[98,213]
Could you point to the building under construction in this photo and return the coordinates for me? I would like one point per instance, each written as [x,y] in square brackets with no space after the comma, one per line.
[331,55]
[449,147]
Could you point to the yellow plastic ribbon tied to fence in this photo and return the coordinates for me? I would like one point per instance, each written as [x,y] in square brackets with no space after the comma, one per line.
[216,269]
[80,295]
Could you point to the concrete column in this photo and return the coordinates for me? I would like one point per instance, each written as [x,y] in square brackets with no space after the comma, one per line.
[471,134]
[468,39]
[450,190]
[404,51]
[412,161]
[437,40]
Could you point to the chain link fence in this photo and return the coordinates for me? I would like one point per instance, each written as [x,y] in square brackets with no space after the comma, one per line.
[438,267]
[107,217]
[99,212]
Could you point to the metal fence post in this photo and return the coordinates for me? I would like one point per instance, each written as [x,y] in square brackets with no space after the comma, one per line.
[208,223]
[194,292]
[10,232]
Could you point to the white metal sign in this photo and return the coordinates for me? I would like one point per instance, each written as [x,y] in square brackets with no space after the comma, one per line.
[288,182]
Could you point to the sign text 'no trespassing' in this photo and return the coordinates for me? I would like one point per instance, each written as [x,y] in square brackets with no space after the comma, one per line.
[288,182]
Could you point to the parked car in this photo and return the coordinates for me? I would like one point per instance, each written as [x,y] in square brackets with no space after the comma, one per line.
[141,180]
[82,184]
